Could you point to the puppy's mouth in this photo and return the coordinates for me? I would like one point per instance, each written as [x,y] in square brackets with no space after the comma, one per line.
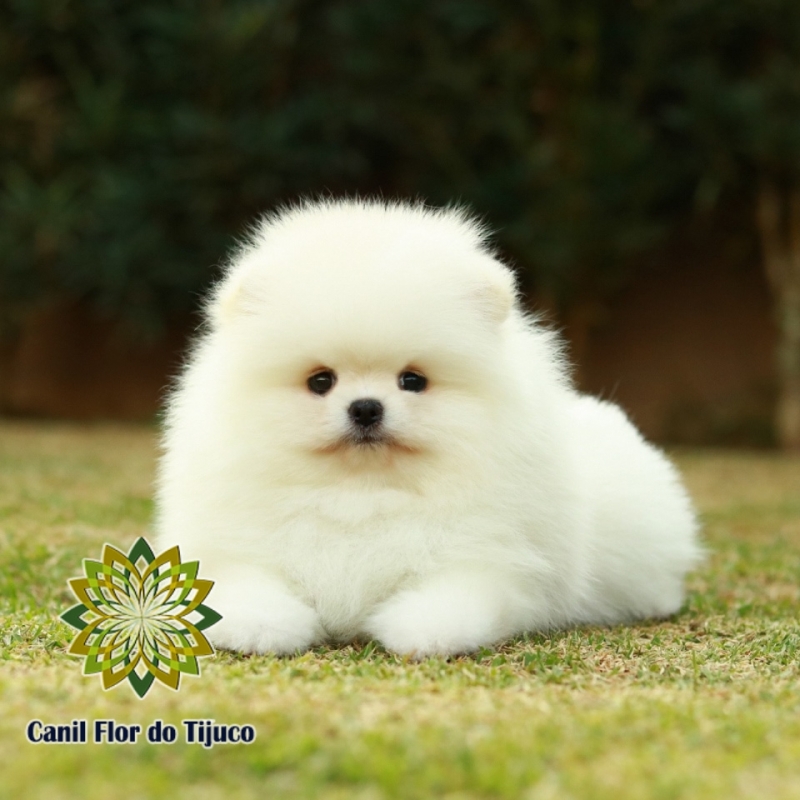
[367,437]
[364,440]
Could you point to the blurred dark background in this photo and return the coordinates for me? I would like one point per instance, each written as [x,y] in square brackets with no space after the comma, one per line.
[638,161]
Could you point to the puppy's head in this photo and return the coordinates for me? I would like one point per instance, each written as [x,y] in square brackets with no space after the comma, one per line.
[364,334]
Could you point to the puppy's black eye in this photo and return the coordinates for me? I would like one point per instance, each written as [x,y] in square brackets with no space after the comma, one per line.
[412,382]
[321,382]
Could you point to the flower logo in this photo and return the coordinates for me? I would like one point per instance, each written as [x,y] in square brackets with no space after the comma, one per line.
[133,617]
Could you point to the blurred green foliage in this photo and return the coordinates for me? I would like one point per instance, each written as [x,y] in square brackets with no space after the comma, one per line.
[139,137]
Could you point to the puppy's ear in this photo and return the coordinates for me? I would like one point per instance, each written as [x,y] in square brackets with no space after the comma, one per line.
[494,296]
[230,297]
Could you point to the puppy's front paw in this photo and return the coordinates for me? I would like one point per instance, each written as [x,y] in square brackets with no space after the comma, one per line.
[436,620]
[262,617]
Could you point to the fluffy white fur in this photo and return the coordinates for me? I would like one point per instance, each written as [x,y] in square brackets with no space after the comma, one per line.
[501,501]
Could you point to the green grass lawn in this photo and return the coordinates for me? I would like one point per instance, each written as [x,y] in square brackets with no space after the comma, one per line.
[706,705]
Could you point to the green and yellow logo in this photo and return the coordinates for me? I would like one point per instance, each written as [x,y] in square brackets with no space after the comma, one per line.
[140,617]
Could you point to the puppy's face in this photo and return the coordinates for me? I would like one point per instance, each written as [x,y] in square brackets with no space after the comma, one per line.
[367,411]
[365,339]
[365,393]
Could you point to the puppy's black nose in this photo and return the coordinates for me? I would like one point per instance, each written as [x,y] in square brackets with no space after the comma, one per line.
[365,412]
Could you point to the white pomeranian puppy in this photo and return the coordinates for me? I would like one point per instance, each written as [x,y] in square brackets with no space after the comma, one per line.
[373,441]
